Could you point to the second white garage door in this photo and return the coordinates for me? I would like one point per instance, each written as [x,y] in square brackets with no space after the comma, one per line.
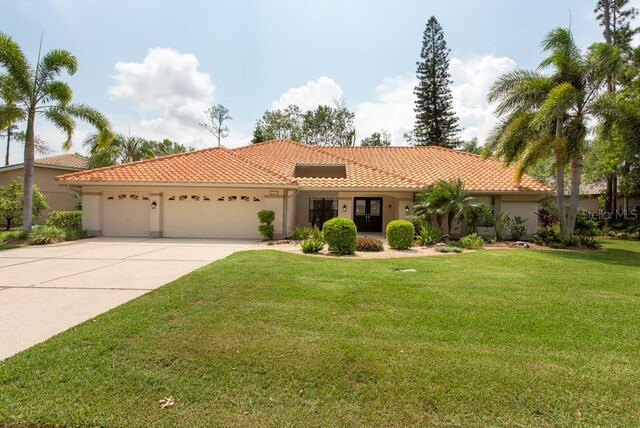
[201,214]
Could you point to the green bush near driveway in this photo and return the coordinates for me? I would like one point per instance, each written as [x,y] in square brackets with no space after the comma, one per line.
[471,242]
[400,234]
[340,234]
[66,220]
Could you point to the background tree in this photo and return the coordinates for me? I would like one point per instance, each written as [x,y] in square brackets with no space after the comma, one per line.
[9,136]
[38,93]
[10,113]
[216,118]
[11,202]
[436,122]
[125,149]
[323,126]
[615,17]
[381,138]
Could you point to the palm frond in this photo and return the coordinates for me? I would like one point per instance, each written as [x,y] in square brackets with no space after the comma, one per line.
[95,118]
[56,92]
[556,104]
[62,120]
[52,65]
[14,61]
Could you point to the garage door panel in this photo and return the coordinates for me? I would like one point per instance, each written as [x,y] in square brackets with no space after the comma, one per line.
[191,214]
[126,214]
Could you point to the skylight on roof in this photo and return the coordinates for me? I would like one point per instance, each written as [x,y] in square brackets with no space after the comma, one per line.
[320,171]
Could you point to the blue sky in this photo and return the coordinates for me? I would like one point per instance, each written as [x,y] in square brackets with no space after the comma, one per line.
[152,66]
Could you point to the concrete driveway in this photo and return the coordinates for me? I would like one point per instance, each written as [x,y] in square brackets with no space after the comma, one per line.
[46,290]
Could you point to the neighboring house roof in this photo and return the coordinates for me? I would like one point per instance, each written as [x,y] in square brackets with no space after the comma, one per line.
[69,161]
[215,165]
[274,163]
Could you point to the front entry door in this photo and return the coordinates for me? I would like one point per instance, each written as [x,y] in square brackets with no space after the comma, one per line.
[367,214]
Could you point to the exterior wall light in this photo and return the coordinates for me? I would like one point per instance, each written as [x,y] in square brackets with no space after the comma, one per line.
[406,209]
[154,204]
[344,208]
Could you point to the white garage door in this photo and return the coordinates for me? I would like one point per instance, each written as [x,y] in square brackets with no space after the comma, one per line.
[200,214]
[126,214]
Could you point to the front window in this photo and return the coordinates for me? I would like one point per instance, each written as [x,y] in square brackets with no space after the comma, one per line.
[321,210]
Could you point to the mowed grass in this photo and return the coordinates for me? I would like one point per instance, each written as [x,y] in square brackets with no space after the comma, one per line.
[264,338]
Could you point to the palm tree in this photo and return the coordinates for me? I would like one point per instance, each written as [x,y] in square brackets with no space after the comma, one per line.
[443,203]
[38,93]
[546,114]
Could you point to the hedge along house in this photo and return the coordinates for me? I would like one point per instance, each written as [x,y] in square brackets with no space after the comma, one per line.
[217,192]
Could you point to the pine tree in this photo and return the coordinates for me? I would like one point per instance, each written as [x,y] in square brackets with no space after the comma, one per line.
[436,122]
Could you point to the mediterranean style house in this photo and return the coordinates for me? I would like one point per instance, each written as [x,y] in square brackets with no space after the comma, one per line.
[45,171]
[217,192]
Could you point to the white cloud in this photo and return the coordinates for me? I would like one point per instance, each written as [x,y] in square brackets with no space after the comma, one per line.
[392,107]
[169,92]
[310,95]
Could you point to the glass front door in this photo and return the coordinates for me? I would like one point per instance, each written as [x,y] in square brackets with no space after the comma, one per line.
[367,214]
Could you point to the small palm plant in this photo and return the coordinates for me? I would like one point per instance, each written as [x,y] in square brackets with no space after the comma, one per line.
[443,203]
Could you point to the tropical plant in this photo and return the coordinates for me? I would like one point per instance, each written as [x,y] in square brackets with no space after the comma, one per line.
[312,245]
[429,235]
[340,234]
[443,203]
[545,114]
[11,202]
[546,217]
[36,92]
[477,214]
[302,233]
[517,229]
[471,242]
[400,234]
[45,235]
[500,223]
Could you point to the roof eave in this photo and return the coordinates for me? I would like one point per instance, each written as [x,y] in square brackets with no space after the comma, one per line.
[174,184]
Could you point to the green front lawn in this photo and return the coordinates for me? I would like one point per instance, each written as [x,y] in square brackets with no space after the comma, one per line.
[264,338]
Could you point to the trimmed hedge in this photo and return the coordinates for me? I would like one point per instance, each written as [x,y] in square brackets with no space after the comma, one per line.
[340,234]
[266,217]
[66,220]
[400,234]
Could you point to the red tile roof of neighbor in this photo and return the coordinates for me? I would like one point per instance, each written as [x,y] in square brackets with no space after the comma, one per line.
[274,162]
[65,161]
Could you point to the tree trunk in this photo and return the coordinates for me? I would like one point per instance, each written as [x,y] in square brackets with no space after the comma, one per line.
[6,158]
[614,197]
[576,177]
[608,202]
[560,179]
[27,209]
[8,224]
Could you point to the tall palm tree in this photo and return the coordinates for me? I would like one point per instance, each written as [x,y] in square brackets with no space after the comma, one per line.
[546,114]
[38,93]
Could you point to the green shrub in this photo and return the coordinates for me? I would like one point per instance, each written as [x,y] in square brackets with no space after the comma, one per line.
[340,234]
[302,233]
[550,236]
[448,249]
[75,234]
[312,245]
[65,220]
[266,216]
[12,236]
[517,229]
[586,226]
[400,234]
[265,228]
[364,243]
[44,235]
[472,242]
[429,235]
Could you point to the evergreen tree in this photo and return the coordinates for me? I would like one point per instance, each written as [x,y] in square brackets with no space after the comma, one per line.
[436,122]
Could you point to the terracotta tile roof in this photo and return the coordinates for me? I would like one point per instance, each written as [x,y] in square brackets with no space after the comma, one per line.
[214,165]
[284,155]
[274,163]
[430,163]
[65,161]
